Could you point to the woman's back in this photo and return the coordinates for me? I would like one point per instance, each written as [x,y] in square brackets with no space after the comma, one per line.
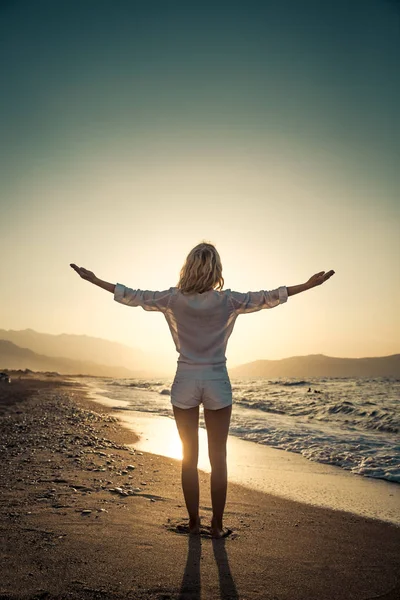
[200,323]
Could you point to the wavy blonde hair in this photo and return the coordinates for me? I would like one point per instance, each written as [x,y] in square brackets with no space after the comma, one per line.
[202,270]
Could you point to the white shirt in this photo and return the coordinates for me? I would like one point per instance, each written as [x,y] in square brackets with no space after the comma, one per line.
[201,324]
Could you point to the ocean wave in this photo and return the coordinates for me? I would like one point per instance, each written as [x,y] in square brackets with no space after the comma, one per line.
[260,406]
[361,458]
[289,383]
[352,424]
[144,385]
[331,413]
[342,407]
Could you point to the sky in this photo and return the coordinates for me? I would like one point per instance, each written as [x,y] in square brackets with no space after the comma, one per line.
[133,130]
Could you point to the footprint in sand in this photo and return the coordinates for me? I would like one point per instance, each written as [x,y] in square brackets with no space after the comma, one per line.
[181,526]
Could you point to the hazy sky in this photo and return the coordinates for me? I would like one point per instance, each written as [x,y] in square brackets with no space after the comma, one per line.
[131,131]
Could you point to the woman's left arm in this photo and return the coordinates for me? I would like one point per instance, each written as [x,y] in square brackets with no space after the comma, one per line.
[91,277]
[317,279]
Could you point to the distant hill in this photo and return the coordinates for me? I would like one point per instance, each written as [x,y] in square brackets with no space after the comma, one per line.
[319,365]
[14,357]
[79,347]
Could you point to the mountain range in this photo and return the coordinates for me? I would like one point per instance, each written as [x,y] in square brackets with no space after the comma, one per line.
[78,347]
[81,354]
[319,365]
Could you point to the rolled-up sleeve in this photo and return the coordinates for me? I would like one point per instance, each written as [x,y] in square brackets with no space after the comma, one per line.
[254,301]
[147,299]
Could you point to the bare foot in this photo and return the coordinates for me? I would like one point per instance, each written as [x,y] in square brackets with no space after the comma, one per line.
[217,531]
[194,526]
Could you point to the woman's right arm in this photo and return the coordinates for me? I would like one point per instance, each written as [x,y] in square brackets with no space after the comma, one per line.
[90,276]
[315,280]
[148,300]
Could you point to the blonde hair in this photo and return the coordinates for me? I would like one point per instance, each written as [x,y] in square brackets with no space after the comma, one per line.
[202,270]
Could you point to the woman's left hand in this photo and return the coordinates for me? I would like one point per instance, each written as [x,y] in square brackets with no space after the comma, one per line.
[319,278]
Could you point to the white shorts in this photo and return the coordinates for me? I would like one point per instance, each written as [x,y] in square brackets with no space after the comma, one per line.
[192,388]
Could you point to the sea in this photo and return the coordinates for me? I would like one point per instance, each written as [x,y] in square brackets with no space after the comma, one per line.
[351,423]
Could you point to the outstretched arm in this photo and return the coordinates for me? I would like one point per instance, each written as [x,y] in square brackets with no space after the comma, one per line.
[148,300]
[90,276]
[315,280]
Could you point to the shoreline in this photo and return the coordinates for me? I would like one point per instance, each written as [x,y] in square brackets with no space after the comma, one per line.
[67,535]
[273,471]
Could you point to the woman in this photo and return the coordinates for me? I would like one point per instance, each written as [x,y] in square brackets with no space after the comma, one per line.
[201,318]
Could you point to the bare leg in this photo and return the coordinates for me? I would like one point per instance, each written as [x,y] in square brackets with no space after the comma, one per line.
[187,421]
[217,423]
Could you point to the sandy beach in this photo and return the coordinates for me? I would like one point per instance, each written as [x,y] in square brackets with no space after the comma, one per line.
[84,515]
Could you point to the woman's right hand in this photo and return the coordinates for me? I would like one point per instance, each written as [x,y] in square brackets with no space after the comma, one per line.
[84,273]
[319,278]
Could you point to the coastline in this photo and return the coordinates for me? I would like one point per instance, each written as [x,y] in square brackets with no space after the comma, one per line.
[259,467]
[63,449]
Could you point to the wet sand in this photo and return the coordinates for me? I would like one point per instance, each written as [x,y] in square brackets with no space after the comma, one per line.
[83,515]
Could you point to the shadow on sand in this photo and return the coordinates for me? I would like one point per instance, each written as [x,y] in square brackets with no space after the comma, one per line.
[191,581]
